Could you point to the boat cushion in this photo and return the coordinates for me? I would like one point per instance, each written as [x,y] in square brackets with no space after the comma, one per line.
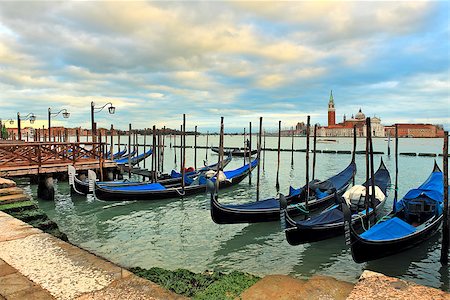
[388,230]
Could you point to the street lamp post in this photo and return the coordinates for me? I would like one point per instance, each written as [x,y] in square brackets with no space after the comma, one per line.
[11,121]
[66,114]
[30,116]
[111,110]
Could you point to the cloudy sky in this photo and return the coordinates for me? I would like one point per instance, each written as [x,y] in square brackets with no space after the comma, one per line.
[241,60]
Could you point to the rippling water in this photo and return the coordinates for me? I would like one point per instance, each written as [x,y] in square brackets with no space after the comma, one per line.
[180,233]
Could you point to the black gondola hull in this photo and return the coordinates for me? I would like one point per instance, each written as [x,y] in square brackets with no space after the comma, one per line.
[365,250]
[114,195]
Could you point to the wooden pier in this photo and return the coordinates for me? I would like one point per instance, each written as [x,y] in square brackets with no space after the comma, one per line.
[34,158]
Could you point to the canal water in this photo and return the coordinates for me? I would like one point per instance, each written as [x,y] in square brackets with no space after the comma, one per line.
[179,233]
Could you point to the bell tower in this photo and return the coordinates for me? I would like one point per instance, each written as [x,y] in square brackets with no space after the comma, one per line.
[331,111]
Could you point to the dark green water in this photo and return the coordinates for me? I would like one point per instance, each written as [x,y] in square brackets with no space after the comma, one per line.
[179,233]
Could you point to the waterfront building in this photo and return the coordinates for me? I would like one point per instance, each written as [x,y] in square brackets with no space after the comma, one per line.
[345,128]
[416,130]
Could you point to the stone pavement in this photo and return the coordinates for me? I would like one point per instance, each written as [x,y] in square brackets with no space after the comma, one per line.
[36,265]
[372,285]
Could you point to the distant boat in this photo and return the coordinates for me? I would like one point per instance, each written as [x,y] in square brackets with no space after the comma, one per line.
[235,151]
[327,141]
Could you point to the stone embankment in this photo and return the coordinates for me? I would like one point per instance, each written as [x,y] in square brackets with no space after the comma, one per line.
[37,265]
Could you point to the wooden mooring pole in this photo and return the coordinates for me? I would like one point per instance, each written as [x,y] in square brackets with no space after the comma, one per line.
[264,151]
[111,142]
[258,175]
[129,151]
[206,148]
[445,226]
[308,124]
[195,148]
[219,163]
[366,199]
[183,162]
[245,146]
[154,154]
[250,154]
[277,185]
[314,152]
[292,147]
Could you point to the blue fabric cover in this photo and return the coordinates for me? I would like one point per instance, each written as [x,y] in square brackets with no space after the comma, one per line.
[320,194]
[327,217]
[141,187]
[188,180]
[388,230]
[271,203]
[294,192]
[202,180]
[341,179]
[432,189]
[175,174]
[234,173]
[124,160]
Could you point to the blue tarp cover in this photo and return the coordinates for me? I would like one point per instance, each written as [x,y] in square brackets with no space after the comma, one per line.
[142,187]
[328,217]
[389,230]
[432,189]
[234,173]
[294,192]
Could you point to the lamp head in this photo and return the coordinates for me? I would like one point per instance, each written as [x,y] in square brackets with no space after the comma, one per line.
[32,119]
[111,110]
[66,115]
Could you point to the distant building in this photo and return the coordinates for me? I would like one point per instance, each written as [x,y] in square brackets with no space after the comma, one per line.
[345,128]
[416,130]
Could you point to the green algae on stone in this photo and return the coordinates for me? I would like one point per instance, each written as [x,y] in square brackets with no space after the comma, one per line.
[229,286]
[208,285]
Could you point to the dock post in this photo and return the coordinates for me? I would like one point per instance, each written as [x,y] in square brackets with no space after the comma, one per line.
[46,190]
[292,146]
[195,148]
[129,151]
[264,150]
[277,185]
[445,226]
[308,125]
[250,154]
[183,161]
[314,153]
[259,159]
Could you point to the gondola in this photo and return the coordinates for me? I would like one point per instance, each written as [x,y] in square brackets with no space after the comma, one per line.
[414,219]
[269,209]
[330,222]
[135,159]
[235,151]
[125,156]
[116,155]
[81,187]
[156,191]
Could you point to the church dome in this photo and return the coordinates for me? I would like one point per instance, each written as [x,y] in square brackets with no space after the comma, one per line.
[360,115]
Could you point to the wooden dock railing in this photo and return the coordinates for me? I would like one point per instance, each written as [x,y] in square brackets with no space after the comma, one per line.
[43,157]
